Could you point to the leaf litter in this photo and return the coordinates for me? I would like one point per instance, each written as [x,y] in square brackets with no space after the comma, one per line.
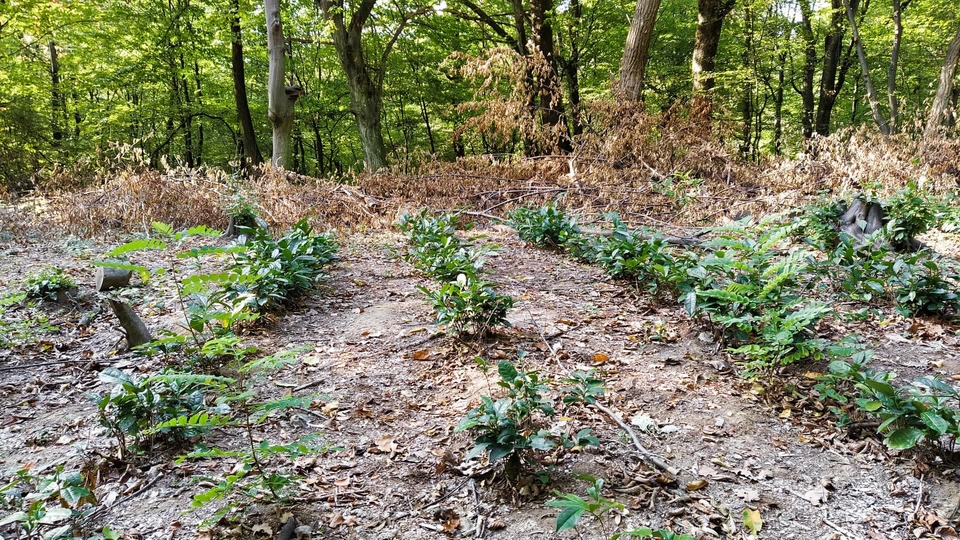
[752,459]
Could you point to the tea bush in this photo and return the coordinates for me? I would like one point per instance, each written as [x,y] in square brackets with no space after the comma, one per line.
[547,226]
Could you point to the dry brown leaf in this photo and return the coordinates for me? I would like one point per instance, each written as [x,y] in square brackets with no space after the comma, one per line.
[421,355]
[330,408]
[387,445]
[600,358]
[697,485]
[817,495]
[262,528]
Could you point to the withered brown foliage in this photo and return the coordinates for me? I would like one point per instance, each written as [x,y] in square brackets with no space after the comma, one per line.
[677,167]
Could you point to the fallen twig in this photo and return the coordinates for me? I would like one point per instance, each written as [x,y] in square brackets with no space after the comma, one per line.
[449,494]
[122,500]
[51,363]
[837,528]
[649,456]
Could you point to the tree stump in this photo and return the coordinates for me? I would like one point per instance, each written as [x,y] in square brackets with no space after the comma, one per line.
[111,278]
[862,219]
[136,332]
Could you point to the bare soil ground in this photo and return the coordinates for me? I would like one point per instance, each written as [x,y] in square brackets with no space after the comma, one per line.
[390,391]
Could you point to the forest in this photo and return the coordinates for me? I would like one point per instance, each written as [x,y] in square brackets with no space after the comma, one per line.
[396,84]
[655,269]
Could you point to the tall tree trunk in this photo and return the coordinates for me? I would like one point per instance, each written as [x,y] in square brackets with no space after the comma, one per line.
[548,87]
[746,99]
[898,8]
[940,113]
[280,105]
[186,113]
[833,46]
[366,91]
[706,43]
[199,82]
[778,107]
[571,68]
[633,66]
[808,103]
[251,151]
[426,123]
[865,71]
[57,102]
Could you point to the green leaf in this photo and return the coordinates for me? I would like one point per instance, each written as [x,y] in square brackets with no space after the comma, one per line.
[73,494]
[162,228]
[137,245]
[16,516]
[568,518]
[934,421]
[56,514]
[752,520]
[123,266]
[507,371]
[904,439]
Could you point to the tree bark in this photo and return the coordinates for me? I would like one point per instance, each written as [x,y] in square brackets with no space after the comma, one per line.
[549,90]
[833,46]
[706,42]
[809,68]
[633,66]
[251,150]
[136,332]
[57,103]
[366,90]
[898,8]
[571,68]
[865,71]
[280,104]
[778,107]
[940,113]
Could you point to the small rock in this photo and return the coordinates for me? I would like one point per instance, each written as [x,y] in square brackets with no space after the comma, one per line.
[303,531]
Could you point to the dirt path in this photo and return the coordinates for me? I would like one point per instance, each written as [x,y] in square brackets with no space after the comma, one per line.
[390,393]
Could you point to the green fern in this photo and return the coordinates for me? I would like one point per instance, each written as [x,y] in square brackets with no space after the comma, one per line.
[139,244]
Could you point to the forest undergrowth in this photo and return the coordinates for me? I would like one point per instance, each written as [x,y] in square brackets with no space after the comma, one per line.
[691,245]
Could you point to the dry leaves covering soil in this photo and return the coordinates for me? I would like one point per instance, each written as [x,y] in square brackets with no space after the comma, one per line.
[391,389]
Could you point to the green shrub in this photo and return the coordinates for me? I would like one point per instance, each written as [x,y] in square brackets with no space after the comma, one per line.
[138,408]
[435,249]
[924,410]
[926,284]
[860,269]
[47,284]
[752,291]
[284,268]
[547,226]
[819,224]
[910,212]
[468,303]
[506,428]
[644,259]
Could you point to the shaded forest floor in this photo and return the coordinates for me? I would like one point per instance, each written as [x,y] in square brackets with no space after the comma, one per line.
[390,390]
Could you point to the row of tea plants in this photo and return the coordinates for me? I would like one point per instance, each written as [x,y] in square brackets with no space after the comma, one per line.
[222,290]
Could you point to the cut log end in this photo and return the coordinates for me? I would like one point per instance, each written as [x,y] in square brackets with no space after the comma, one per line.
[111,278]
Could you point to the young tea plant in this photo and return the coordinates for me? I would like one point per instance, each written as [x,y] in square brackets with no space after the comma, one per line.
[140,409]
[50,505]
[573,507]
[546,227]
[924,410]
[469,304]
[505,429]
[48,284]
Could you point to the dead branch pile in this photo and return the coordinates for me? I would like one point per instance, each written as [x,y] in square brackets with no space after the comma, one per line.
[672,168]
